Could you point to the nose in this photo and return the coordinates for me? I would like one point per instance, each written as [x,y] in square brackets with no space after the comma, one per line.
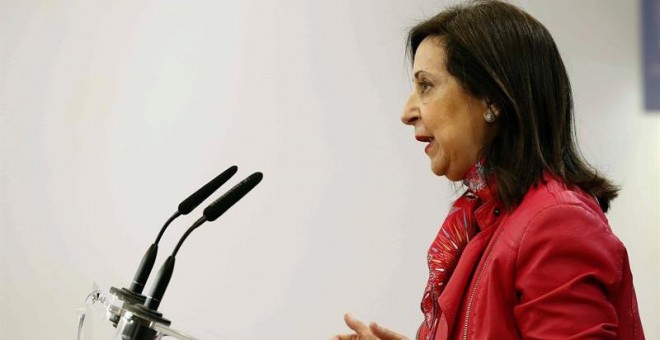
[410,114]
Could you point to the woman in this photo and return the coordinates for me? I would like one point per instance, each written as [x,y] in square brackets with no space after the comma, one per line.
[526,251]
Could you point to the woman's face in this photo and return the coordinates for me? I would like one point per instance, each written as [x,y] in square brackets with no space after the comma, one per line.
[448,119]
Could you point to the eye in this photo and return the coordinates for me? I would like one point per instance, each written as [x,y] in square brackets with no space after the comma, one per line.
[424,86]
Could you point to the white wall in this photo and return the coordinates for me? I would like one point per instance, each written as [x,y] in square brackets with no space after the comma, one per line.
[112,112]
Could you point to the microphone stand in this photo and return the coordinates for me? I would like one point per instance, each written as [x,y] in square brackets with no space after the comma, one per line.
[133,294]
[144,321]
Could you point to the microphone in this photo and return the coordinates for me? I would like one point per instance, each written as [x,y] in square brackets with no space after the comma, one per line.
[185,207]
[142,317]
[134,292]
[211,213]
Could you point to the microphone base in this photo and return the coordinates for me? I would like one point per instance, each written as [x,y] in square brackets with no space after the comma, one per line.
[126,298]
[141,323]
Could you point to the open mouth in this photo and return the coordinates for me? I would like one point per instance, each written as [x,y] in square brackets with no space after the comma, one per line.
[425,139]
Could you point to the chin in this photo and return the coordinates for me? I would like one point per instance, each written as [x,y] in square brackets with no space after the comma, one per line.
[444,172]
[439,171]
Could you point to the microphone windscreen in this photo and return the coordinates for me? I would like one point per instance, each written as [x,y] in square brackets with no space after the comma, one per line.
[226,201]
[204,192]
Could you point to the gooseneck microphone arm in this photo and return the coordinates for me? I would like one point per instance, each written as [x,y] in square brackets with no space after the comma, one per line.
[186,206]
[197,223]
[211,213]
[162,230]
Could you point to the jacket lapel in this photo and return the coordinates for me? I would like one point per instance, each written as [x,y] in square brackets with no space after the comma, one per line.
[458,285]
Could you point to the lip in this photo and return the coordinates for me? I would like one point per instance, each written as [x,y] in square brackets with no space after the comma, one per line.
[428,147]
[425,139]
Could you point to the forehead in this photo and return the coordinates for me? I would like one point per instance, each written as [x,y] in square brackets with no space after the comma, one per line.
[430,56]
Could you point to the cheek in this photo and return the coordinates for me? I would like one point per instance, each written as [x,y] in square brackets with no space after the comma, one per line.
[459,136]
[435,117]
[443,127]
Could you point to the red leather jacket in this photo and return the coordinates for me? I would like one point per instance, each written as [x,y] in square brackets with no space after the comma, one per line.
[551,269]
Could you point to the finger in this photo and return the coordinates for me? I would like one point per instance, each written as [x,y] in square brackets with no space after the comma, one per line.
[344,337]
[384,333]
[356,325]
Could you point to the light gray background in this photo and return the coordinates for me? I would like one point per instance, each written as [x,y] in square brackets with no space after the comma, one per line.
[114,111]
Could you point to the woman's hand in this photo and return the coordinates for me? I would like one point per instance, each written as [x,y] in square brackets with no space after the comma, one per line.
[364,332]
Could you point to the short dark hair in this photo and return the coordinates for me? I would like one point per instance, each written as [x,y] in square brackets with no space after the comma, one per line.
[502,54]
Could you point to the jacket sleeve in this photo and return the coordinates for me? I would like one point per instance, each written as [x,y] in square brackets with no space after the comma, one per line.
[568,265]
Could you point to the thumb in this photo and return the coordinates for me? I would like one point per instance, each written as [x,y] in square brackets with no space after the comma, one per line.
[384,333]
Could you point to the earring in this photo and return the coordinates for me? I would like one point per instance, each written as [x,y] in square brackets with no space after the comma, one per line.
[489,116]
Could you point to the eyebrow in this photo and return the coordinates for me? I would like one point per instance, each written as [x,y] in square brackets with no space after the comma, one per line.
[418,73]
